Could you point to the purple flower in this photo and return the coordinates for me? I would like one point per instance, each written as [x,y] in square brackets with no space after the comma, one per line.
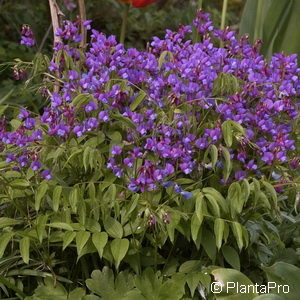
[87,24]
[23,114]
[116,150]
[268,157]
[27,38]
[35,165]
[46,174]
[239,175]
[53,67]
[10,157]
[73,75]
[78,130]
[91,106]
[103,116]
[129,162]
[56,100]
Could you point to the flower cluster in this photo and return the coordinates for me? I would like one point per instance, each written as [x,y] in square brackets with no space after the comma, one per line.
[168,95]
[27,38]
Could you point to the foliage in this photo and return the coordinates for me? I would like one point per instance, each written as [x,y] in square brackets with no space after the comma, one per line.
[152,173]
[273,21]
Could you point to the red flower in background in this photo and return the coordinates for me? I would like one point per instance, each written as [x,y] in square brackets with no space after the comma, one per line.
[138,3]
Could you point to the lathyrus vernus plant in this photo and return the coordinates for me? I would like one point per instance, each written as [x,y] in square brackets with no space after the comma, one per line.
[158,162]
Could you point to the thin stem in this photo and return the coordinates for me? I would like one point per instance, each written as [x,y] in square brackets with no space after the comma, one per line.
[82,16]
[55,12]
[224,11]
[258,21]
[200,4]
[223,18]
[124,23]
[55,15]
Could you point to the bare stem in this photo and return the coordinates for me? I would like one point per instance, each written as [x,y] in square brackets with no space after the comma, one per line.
[56,14]
[82,16]
[124,23]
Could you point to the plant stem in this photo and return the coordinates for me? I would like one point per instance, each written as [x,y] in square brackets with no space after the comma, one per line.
[124,23]
[55,12]
[258,21]
[82,16]
[224,11]
[200,4]
[223,17]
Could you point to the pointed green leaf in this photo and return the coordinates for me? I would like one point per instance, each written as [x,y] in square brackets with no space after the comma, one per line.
[56,197]
[219,231]
[40,226]
[237,230]
[81,239]
[100,240]
[113,227]
[40,193]
[231,256]
[195,226]
[68,238]
[74,198]
[138,100]
[61,225]
[4,240]
[119,248]
[24,249]
[5,222]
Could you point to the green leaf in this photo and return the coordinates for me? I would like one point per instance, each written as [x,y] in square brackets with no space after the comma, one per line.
[162,59]
[4,240]
[40,226]
[269,297]
[86,157]
[214,205]
[227,133]
[61,225]
[68,238]
[228,278]
[219,231]
[193,279]
[214,155]
[231,256]
[74,198]
[100,240]
[40,193]
[245,190]
[217,196]
[119,248]
[190,266]
[19,183]
[110,194]
[195,226]
[113,227]
[271,190]
[81,239]
[199,206]
[81,99]
[138,100]
[56,197]
[5,222]
[126,121]
[24,249]
[209,244]
[284,274]
[228,164]
[237,230]
[234,197]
